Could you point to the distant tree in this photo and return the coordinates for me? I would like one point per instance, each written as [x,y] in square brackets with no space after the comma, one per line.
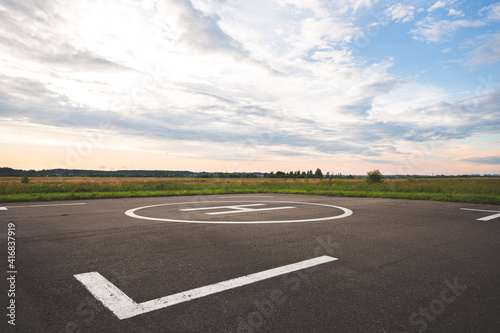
[25,180]
[374,176]
[318,173]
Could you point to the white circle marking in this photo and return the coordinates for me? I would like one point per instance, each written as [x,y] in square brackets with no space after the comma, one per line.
[347,212]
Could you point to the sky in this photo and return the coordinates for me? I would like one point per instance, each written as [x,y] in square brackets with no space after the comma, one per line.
[346,86]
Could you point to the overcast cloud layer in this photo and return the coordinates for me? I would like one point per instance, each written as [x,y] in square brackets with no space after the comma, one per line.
[236,85]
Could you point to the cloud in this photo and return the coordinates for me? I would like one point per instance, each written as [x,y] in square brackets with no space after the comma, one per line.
[434,30]
[321,32]
[285,81]
[492,11]
[441,121]
[437,5]
[336,56]
[351,6]
[356,4]
[488,160]
[359,100]
[313,5]
[401,13]
[456,13]
[487,53]
[431,30]
[378,161]
[203,31]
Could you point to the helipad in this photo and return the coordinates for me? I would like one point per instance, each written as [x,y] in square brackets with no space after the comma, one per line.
[252,207]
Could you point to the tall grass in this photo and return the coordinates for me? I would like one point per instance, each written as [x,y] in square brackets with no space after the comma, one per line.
[472,190]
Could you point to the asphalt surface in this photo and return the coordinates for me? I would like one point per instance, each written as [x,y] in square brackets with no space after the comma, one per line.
[403,266]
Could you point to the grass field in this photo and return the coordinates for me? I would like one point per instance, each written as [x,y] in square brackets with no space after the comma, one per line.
[470,190]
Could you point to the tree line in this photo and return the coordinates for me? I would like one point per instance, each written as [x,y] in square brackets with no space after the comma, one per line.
[306,174]
[9,172]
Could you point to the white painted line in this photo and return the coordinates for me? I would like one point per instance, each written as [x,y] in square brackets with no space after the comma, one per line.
[3,208]
[249,210]
[51,205]
[235,209]
[220,207]
[486,218]
[109,295]
[124,307]
[491,217]
[481,210]
[246,196]
[346,212]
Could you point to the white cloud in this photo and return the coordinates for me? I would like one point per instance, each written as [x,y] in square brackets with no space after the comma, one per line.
[186,74]
[351,6]
[399,105]
[439,4]
[401,13]
[447,50]
[343,56]
[456,13]
[487,53]
[356,4]
[320,32]
[492,11]
[313,5]
[438,31]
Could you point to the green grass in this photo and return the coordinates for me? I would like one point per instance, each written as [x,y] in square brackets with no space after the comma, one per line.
[469,190]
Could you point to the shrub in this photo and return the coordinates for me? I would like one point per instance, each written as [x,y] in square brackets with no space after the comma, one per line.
[374,176]
[25,180]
